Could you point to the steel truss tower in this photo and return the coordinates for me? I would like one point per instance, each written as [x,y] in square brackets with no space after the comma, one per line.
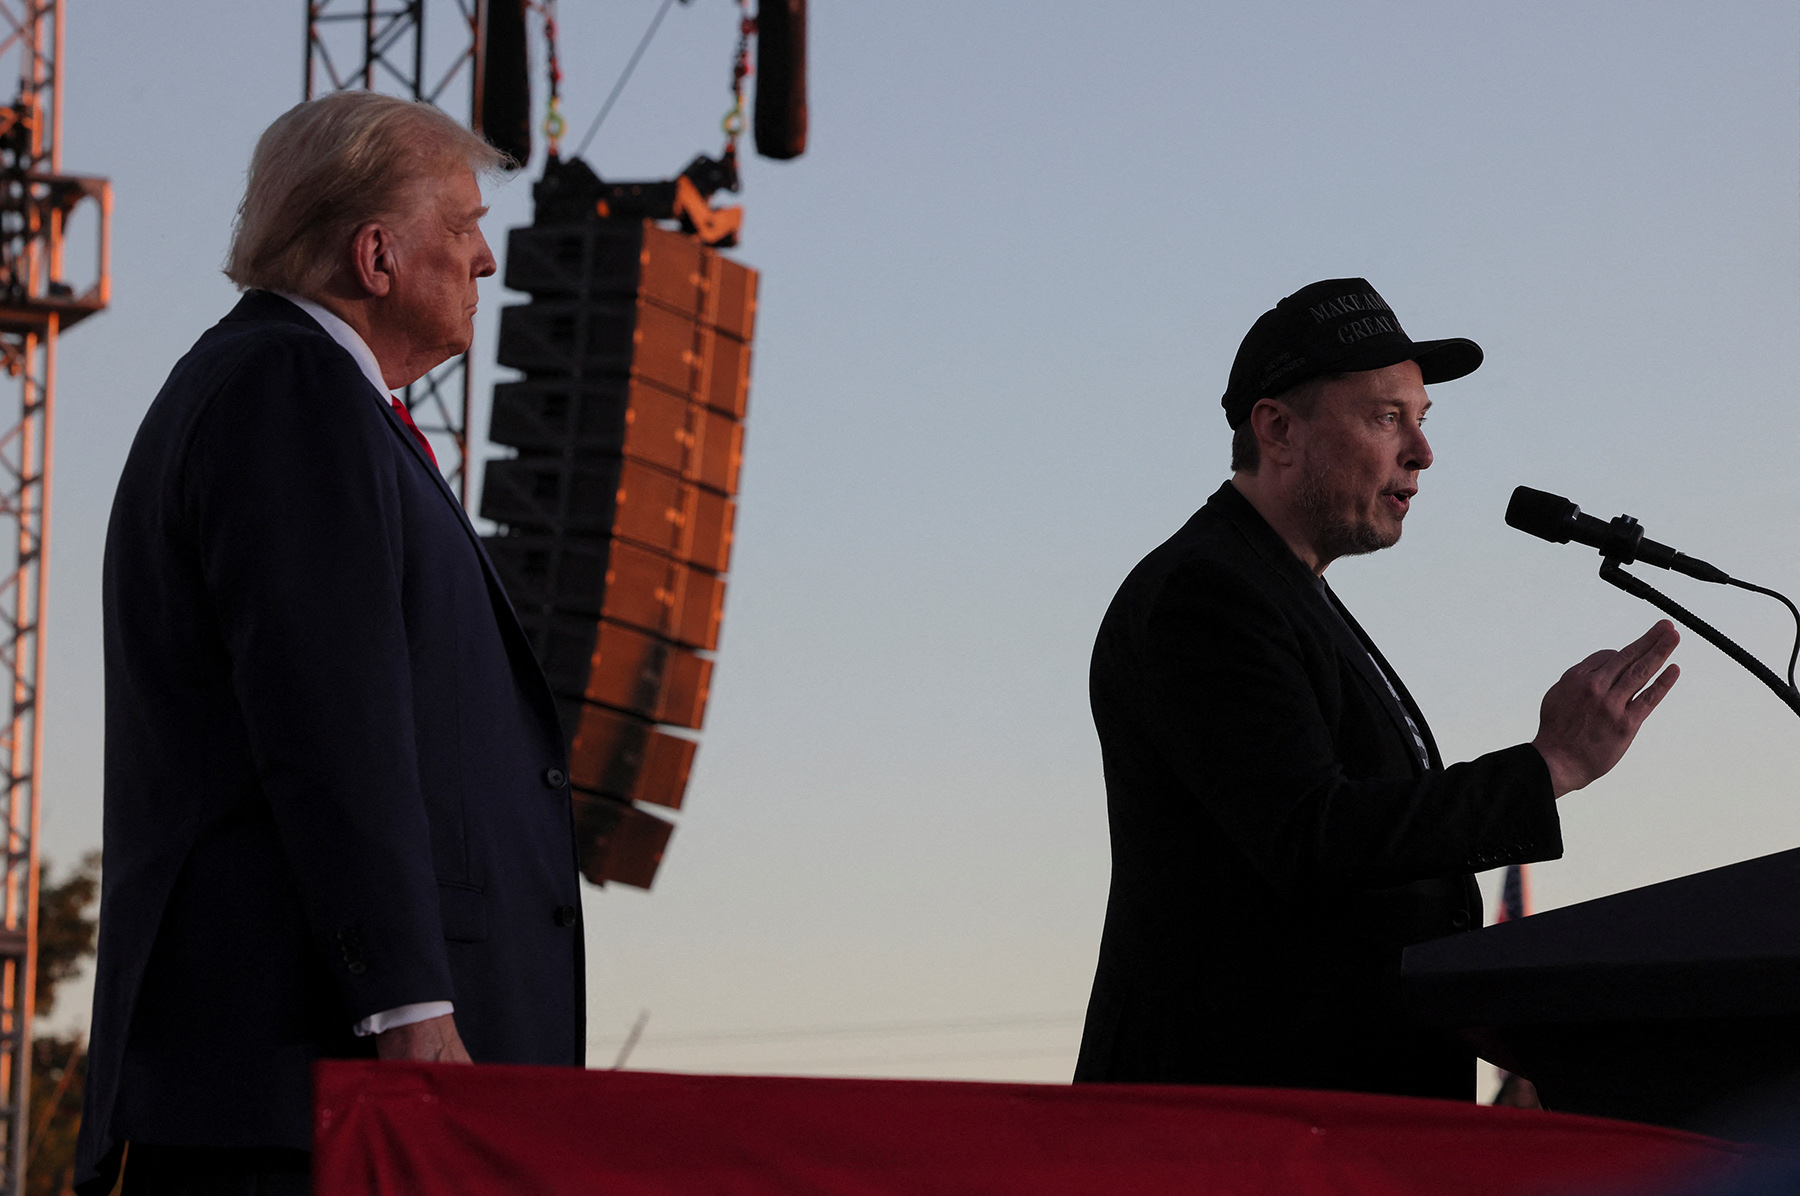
[37,303]
[367,44]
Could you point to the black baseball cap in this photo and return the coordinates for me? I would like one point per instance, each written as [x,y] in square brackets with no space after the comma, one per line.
[1332,327]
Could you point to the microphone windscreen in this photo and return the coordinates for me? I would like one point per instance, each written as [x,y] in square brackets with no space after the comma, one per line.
[1549,516]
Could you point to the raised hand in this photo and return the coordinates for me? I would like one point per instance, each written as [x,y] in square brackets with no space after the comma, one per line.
[1592,714]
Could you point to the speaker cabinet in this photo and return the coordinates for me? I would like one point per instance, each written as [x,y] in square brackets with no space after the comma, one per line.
[616,517]
[599,496]
[604,417]
[616,755]
[718,451]
[621,667]
[570,337]
[612,498]
[611,579]
[629,260]
[619,842]
[722,373]
[729,300]
[620,418]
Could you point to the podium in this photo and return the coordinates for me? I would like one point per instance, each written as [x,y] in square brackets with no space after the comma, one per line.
[1677,1004]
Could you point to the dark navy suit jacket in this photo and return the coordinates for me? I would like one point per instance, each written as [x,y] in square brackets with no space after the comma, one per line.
[1277,840]
[334,772]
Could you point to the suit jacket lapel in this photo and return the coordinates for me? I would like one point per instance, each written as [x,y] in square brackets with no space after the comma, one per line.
[261,305]
[1371,664]
[1406,698]
[510,627]
[1351,641]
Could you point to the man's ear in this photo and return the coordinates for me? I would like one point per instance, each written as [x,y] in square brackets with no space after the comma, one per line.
[1273,422]
[372,258]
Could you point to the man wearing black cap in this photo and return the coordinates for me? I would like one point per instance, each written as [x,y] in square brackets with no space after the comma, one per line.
[1282,824]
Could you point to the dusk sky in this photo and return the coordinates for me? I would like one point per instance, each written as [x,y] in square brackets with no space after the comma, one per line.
[1000,296]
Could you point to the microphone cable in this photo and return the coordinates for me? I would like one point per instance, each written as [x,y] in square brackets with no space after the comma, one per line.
[1554,518]
[1792,609]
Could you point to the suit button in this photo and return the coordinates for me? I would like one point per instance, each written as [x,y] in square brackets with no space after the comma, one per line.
[556,778]
[350,943]
[1459,919]
[565,915]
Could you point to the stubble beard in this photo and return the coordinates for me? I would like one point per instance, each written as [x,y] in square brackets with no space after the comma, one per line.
[1333,534]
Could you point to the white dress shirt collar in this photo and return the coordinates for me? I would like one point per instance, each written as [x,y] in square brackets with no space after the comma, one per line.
[346,336]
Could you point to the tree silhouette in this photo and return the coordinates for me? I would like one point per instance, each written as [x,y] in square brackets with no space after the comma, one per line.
[66,924]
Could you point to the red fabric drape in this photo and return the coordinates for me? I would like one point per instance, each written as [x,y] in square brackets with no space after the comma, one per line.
[436,1129]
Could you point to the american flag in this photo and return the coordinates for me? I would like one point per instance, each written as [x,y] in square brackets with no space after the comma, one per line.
[1515,895]
[1515,903]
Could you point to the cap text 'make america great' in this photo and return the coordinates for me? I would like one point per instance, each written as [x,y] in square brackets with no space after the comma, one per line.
[1345,304]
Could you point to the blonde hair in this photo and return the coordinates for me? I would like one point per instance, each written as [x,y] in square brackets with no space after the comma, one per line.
[327,167]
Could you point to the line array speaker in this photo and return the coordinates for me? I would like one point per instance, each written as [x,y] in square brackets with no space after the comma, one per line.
[617,512]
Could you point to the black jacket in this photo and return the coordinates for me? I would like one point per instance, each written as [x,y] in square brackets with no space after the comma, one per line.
[334,772]
[1276,839]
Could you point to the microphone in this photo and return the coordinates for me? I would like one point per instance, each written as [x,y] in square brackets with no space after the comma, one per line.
[1554,518]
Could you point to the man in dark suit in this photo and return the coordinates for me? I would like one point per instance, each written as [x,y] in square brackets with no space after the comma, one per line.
[337,820]
[1282,825]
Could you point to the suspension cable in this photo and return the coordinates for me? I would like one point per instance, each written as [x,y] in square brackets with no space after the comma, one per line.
[733,124]
[554,125]
[625,77]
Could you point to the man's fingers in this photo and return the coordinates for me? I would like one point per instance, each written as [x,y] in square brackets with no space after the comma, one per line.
[1661,637]
[1593,663]
[1639,660]
[1644,703]
[1654,657]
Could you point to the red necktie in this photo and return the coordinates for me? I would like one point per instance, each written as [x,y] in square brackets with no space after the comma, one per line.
[407,419]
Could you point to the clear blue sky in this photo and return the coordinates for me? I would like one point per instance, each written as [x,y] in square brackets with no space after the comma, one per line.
[1000,297]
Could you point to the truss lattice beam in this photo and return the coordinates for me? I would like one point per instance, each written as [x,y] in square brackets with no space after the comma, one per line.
[37,302]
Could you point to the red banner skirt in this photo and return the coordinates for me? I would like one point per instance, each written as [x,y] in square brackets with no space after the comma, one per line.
[436,1129]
